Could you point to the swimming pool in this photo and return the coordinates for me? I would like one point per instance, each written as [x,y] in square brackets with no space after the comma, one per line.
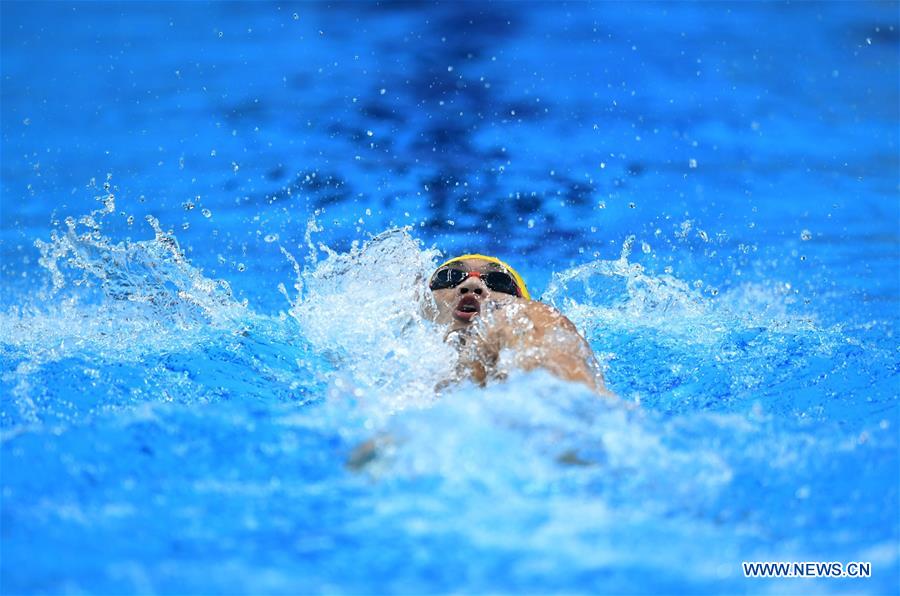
[214,220]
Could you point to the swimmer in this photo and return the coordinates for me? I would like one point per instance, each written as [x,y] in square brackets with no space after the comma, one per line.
[490,318]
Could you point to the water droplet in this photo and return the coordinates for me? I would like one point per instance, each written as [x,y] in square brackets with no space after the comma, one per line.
[703,235]
[241,267]
[626,248]
[296,16]
[271,237]
[234,166]
[382,91]
[692,163]
[207,213]
[530,223]
[370,133]
[805,235]
[450,222]
[645,248]
[601,205]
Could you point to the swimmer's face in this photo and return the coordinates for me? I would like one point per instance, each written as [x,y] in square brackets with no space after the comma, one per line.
[460,305]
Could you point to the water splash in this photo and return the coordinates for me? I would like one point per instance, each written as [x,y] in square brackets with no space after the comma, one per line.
[364,309]
[150,274]
[620,293]
[113,311]
[746,343]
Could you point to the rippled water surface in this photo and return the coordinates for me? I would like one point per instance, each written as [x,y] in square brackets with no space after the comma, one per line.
[216,219]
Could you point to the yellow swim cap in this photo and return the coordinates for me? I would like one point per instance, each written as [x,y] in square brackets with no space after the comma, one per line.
[515,275]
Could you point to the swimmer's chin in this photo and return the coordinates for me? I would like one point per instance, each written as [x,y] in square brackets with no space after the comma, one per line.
[460,324]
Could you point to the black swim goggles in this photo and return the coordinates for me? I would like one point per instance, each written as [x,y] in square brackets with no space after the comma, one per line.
[497,281]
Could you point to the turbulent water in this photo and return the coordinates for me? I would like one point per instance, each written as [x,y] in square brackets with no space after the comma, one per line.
[195,347]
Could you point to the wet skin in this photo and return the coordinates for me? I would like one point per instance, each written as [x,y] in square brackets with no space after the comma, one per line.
[484,323]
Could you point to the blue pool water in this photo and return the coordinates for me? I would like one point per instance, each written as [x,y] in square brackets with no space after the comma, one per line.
[214,222]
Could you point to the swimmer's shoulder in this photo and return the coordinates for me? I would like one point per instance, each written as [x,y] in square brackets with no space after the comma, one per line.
[545,316]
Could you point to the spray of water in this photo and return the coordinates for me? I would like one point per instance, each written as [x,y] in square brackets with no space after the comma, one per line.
[356,325]
[364,309]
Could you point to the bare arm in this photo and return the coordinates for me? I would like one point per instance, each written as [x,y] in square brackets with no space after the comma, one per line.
[534,335]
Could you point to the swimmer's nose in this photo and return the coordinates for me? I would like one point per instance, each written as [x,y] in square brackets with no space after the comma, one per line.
[472,284]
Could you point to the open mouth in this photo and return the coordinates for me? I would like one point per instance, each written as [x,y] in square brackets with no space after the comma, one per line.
[466,308]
